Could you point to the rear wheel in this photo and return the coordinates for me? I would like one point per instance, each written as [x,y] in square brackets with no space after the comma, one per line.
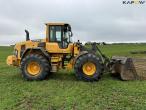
[35,67]
[88,67]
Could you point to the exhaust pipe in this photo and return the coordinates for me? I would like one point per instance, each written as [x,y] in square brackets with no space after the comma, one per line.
[27,35]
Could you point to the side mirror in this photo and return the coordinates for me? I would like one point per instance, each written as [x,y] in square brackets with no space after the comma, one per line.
[70,34]
[69,28]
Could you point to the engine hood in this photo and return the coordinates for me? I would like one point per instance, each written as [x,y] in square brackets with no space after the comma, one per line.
[28,44]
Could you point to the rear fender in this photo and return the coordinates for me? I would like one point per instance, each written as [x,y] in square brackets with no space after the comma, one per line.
[36,50]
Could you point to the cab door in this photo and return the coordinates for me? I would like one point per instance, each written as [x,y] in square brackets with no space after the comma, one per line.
[56,42]
[56,35]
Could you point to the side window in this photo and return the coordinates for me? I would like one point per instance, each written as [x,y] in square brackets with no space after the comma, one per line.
[52,34]
[58,33]
[55,33]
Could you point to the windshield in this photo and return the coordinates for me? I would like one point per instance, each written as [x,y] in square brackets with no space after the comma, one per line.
[67,34]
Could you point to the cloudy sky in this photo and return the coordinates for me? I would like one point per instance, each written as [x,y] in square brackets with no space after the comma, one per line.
[91,20]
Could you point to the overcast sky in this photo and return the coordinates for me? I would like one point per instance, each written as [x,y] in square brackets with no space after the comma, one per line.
[91,20]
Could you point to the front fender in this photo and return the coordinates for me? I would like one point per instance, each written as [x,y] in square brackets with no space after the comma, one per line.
[80,54]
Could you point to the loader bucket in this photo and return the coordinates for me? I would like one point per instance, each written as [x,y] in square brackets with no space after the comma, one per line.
[129,68]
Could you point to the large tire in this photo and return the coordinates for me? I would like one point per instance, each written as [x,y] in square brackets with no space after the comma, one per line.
[94,64]
[35,67]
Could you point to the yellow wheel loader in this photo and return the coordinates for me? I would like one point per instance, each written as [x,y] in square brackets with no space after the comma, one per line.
[39,58]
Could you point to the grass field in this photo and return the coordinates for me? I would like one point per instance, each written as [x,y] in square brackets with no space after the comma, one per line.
[62,91]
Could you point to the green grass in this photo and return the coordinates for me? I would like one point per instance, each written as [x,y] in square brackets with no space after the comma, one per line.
[63,91]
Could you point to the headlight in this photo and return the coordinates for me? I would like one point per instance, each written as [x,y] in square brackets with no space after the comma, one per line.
[15,52]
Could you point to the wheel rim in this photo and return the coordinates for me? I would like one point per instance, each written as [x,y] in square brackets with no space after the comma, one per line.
[33,68]
[89,68]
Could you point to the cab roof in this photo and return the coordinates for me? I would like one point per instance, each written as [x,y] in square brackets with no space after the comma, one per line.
[56,23]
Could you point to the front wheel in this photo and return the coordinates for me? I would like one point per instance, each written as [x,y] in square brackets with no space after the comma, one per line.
[35,67]
[88,67]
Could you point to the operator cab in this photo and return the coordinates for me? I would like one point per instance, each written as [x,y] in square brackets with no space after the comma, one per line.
[59,33]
